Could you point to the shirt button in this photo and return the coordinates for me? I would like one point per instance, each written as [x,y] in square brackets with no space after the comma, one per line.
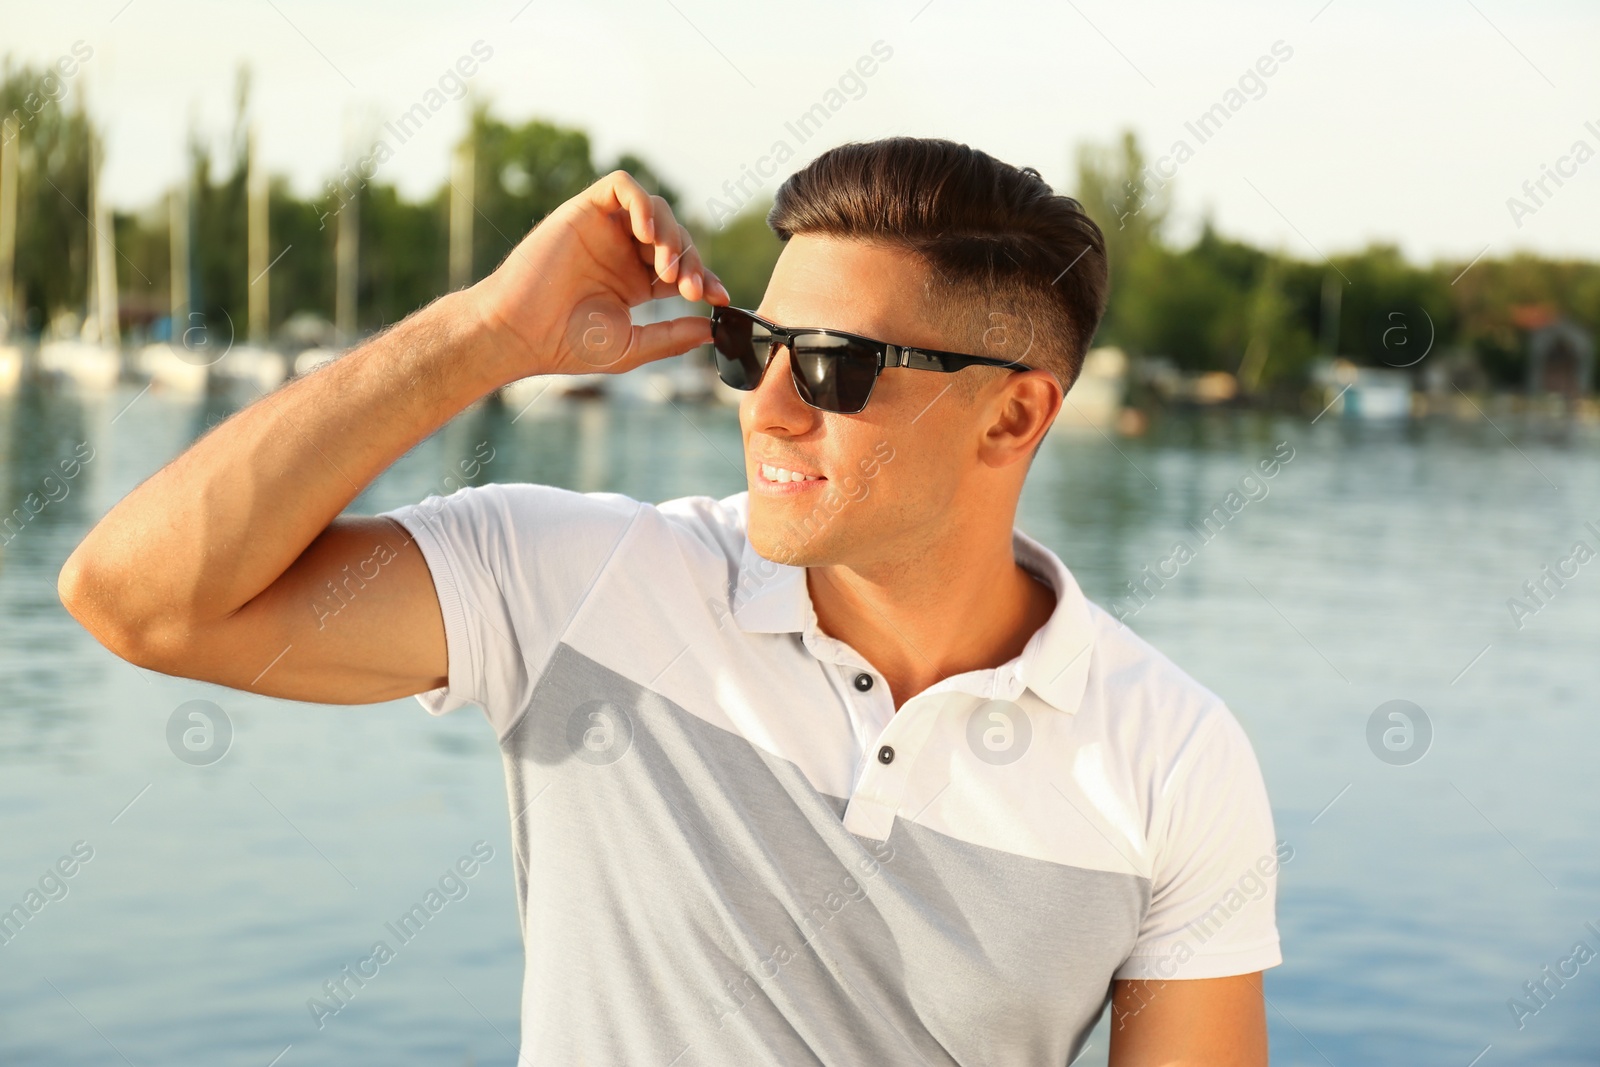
[886,754]
[863,683]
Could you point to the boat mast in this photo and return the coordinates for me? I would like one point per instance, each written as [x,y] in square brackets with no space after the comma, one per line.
[257,241]
[10,146]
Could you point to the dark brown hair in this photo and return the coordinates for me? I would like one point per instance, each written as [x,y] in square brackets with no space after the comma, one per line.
[1004,249]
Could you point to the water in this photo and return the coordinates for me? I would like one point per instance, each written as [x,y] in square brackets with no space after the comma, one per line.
[220,898]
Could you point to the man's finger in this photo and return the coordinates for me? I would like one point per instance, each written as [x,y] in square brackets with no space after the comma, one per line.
[712,289]
[668,242]
[659,340]
[691,280]
[619,190]
[663,244]
[660,290]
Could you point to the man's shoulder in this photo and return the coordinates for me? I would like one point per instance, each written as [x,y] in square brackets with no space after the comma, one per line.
[1143,694]
[698,531]
[521,503]
[1179,744]
[536,507]
[717,523]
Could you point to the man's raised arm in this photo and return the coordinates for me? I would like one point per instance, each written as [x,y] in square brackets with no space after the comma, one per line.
[210,568]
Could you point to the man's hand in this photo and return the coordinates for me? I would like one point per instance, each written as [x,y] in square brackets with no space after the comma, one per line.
[560,300]
[1192,1022]
[216,566]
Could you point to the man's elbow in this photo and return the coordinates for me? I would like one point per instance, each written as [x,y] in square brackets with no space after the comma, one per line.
[73,585]
[89,597]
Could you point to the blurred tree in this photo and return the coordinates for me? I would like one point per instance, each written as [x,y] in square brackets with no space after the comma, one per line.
[1279,346]
[1218,304]
[1171,304]
[220,224]
[742,252]
[143,254]
[1378,323]
[520,174]
[51,136]
[1484,296]
[404,255]
[301,254]
[1129,202]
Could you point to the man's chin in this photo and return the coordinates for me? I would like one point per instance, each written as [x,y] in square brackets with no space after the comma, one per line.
[789,551]
[782,540]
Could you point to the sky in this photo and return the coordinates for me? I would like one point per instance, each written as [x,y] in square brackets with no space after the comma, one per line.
[1337,123]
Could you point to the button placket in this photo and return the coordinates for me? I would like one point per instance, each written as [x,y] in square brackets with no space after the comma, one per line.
[882,785]
[869,712]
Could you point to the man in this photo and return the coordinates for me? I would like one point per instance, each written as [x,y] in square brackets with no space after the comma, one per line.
[842,770]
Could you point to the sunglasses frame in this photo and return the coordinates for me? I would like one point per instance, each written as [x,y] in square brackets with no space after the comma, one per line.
[887,355]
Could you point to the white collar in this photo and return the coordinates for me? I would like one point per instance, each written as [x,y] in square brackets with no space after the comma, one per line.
[772,598]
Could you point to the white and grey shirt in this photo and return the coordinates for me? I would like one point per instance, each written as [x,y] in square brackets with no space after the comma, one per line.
[730,848]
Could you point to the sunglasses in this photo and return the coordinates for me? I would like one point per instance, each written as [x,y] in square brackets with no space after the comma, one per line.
[832,370]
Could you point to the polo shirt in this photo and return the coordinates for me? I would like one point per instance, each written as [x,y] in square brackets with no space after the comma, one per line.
[730,848]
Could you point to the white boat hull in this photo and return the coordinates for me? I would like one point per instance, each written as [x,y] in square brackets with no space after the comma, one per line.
[90,366]
[169,371]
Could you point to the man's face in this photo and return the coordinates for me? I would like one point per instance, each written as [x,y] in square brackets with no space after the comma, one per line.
[889,475]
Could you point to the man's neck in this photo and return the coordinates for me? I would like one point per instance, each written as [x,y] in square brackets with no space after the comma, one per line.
[920,622]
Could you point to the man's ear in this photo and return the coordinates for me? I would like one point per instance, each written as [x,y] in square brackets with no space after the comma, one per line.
[1024,406]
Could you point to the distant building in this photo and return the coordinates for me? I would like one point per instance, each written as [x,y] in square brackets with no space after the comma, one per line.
[1560,352]
[1561,359]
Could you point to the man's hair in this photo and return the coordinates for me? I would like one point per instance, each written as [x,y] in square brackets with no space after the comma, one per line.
[1016,271]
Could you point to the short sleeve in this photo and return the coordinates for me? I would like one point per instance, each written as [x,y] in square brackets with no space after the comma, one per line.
[511,564]
[1214,889]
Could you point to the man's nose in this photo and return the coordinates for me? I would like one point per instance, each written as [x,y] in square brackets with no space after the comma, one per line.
[775,403]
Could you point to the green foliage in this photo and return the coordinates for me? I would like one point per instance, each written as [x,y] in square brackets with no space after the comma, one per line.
[301,253]
[51,135]
[1113,190]
[1217,304]
[217,211]
[742,253]
[1484,297]
[520,175]
[1168,303]
[404,256]
[142,264]
[1381,287]
[1224,305]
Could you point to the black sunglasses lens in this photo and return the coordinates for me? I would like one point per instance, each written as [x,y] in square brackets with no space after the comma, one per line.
[742,347]
[834,373]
